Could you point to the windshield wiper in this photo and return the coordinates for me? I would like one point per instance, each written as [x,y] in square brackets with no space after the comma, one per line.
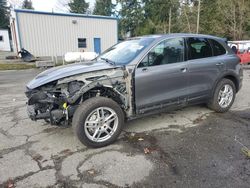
[108,61]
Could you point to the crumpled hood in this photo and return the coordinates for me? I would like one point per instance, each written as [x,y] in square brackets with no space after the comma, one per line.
[65,71]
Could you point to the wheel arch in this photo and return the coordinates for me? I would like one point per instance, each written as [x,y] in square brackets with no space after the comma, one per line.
[231,76]
[105,91]
[234,80]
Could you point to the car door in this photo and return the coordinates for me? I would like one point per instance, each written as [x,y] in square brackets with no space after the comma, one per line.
[204,66]
[161,77]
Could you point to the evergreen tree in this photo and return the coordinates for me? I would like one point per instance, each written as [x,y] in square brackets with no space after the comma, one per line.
[235,18]
[132,16]
[103,7]
[188,16]
[78,6]
[27,4]
[211,18]
[225,18]
[4,14]
[157,15]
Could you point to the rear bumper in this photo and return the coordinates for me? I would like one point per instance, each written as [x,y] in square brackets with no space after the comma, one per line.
[240,83]
[240,78]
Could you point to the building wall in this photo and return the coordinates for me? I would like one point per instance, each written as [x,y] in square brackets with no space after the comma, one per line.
[47,35]
[4,40]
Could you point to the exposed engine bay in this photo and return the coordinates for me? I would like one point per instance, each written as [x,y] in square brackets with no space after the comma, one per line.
[56,101]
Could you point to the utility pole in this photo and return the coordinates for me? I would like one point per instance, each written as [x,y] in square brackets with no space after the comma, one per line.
[198,16]
[169,20]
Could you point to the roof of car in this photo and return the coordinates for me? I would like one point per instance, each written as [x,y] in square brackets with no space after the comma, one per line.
[180,35]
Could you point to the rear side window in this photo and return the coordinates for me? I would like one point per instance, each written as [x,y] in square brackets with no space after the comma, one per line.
[199,48]
[218,49]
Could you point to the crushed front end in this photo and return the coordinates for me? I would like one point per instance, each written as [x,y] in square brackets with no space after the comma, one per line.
[56,101]
[49,102]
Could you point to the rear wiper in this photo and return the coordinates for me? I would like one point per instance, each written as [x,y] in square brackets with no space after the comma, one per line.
[108,61]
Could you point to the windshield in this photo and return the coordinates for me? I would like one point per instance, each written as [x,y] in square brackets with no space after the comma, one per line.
[124,52]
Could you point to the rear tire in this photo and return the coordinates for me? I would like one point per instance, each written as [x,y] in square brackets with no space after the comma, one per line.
[98,122]
[223,96]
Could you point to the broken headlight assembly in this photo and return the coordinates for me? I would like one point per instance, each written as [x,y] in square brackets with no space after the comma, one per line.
[50,102]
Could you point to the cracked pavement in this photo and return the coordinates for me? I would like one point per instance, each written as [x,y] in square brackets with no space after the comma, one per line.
[191,147]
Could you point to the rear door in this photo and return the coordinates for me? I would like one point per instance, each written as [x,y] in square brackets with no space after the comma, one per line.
[161,77]
[205,65]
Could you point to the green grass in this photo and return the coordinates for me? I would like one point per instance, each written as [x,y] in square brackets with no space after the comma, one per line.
[11,66]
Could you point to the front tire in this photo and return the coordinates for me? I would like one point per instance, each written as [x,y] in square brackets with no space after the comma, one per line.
[223,97]
[98,122]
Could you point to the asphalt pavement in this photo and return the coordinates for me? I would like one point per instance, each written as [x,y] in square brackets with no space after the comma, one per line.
[191,147]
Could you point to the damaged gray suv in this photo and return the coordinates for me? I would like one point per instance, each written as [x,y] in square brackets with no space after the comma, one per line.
[134,78]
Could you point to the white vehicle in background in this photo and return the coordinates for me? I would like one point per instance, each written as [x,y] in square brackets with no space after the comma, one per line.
[241,45]
[242,49]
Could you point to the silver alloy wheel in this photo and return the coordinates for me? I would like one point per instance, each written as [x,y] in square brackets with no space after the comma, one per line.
[101,124]
[225,96]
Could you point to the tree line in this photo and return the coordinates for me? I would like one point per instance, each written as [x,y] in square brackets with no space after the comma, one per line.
[5,11]
[224,18]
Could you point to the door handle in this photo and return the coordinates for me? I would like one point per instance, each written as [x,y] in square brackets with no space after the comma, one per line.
[219,64]
[144,69]
[183,70]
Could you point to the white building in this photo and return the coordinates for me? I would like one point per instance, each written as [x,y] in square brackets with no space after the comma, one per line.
[54,34]
[4,40]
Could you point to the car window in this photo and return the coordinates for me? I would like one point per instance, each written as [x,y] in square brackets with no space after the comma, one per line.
[166,52]
[199,48]
[124,52]
[218,49]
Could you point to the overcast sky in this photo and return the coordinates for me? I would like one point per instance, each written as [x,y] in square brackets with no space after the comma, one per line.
[49,5]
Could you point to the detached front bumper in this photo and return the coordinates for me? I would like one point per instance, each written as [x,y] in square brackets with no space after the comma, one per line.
[31,112]
[34,115]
